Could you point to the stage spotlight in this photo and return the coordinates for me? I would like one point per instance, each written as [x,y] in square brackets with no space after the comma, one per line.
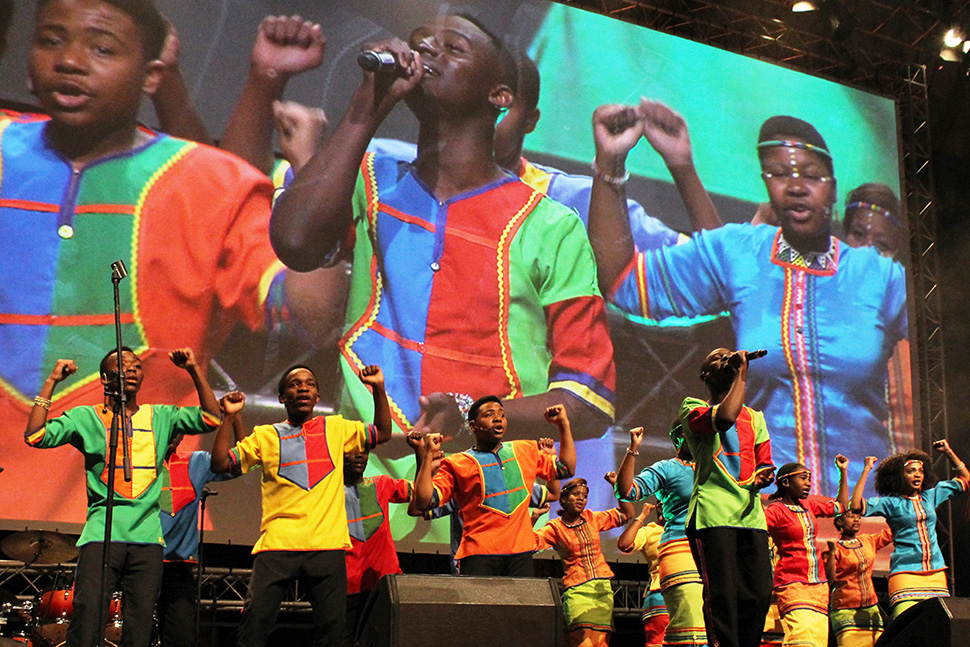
[801,6]
[955,45]
[953,37]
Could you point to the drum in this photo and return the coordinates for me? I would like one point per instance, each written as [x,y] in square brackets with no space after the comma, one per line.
[52,614]
[14,621]
[112,630]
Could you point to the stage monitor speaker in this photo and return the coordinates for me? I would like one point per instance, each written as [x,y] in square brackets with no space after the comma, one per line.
[447,610]
[937,622]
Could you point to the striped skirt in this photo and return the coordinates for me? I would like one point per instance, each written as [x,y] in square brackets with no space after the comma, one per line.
[908,588]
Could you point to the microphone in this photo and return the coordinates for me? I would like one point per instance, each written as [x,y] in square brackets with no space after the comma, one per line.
[735,359]
[379,62]
[118,270]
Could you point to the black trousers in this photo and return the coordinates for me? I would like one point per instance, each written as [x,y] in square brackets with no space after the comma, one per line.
[323,574]
[519,565]
[176,604]
[735,565]
[134,568]
[355,606]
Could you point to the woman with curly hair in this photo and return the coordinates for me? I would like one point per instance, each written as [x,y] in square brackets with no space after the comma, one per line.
[909,495]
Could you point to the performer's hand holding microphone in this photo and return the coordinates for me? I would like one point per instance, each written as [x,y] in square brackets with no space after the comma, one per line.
[735,359]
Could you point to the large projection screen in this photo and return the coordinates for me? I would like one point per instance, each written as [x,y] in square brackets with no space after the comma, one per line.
[584,60]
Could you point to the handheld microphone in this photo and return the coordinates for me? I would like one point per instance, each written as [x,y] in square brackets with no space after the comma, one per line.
[373,61]
[735,359]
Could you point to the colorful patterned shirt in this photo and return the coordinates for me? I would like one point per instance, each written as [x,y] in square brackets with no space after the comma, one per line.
[725,465]
[135,512]
[536,323]
[492,491]
[829,323]
[183,480]
[913,523]
[570,190]
[672,480]
[302,480]
[540,497]
[372,554]
[854,558]
[191,224]
[794,531]
[574,191]
[579,544]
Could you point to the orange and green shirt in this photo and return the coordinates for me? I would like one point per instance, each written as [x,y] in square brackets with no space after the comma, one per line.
[191,223]
[135,512]
[492,491]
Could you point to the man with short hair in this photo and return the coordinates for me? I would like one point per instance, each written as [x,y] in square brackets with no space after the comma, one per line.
[136,533]
[491,485]
[372,554]
[465,280]
[303,533]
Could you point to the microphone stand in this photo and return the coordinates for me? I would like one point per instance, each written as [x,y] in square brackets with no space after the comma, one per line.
[206,493]
[119,423]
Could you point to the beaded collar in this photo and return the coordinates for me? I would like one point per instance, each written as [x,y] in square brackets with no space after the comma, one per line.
[826,262]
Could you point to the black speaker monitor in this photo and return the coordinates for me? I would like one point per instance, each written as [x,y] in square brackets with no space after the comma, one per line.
[937,622]
[445,610]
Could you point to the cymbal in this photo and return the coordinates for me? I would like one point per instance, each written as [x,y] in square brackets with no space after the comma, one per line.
[39,547]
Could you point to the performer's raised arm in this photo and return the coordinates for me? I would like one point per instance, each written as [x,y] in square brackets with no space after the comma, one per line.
[860,486]
[557,415]
[313,216]
[373,377]
[232,403]
[285,46]
[184,358]
[63,369]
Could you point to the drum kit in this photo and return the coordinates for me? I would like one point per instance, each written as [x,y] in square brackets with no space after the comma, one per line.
[43,621]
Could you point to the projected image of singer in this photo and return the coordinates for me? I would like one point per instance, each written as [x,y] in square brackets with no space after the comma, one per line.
[136,533]
[465,280]
[828,314]
[88,186]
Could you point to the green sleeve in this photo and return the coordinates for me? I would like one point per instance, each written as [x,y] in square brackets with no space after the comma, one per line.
[556,247]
